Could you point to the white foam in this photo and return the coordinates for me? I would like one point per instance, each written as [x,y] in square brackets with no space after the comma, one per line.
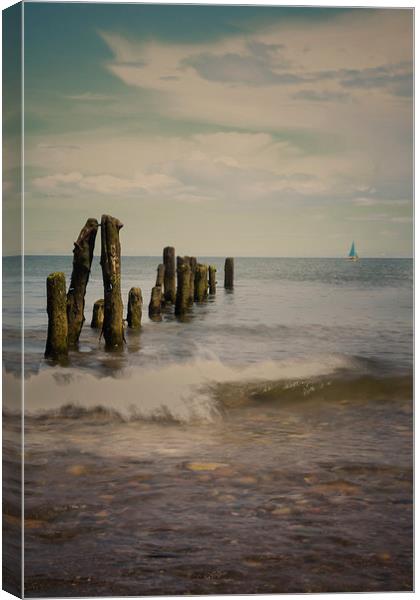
[180,391]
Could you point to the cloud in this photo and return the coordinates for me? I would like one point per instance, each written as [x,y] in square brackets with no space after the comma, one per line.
[58,147]
[365,201]
[259,64]
[322,96]
[382,217]
[89,97]
[103,183]
[395,78]
[51,182]
[346,76]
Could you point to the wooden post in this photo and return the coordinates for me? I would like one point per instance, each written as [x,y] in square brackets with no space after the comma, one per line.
[169,275]
[212,279]
[155,306]
[200,283]
[160,275]
[82,261]
[183,290]
[113,328]
[57,339]
[98,315]
[193,266]
[135,301]
[229,273]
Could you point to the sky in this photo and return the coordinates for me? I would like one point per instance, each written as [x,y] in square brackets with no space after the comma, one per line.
[243,131]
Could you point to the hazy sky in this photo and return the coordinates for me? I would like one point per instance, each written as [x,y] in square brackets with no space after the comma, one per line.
[220,130]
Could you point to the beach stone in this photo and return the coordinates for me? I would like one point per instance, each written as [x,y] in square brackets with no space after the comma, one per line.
[107,497]
[246,480]
[34,523]
[253,563]
[338,487]
[226,498]
[77,470]
[384,556]
[205,466]
[281,511]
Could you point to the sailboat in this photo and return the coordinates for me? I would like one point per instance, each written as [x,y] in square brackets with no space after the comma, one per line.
[353,254]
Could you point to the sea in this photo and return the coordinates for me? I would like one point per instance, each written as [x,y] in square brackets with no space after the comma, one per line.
[262,444]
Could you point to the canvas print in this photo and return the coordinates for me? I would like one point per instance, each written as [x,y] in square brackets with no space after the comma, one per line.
[207,299]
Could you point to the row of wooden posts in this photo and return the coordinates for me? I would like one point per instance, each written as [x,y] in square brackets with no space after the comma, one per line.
[180,283]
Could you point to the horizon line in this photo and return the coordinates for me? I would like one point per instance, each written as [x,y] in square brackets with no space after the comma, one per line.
[216,256]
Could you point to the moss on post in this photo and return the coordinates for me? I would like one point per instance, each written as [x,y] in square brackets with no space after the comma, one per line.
[169,284]
[57,338]
[98,315]
[82,261]
[200,283]
[183,290]
[229,273]
[212,280]
[135,301]
[113,328]
[155,305]
[160,275]
[193,266]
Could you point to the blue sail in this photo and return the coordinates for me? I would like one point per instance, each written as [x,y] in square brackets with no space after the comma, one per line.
[352,252]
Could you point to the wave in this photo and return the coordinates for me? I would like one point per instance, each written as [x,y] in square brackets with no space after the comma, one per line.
[200,390]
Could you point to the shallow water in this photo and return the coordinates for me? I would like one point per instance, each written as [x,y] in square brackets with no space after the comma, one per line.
[264,445]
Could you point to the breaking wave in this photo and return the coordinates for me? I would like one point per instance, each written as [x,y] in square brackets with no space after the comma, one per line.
[199,391]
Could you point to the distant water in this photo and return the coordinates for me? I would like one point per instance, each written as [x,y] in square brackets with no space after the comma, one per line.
[279,412]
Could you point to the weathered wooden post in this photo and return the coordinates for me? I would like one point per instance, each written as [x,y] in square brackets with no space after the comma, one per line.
[155,305]
[113,327]
[57,338]
[229,273]
[183,272]
[193,266]
[97,315]
[212,279]
[160,275]
[200,283]
[169,285]
[82,261]
[135,301]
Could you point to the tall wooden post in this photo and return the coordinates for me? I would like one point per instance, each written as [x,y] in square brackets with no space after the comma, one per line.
[155,305]
[229,273]
[183,271]
[212,280]
[82,261]
[135,301]
[200,283]
[57,338]
[193,266]
[169,275]
[98,315]
[113,327]
[160,275]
